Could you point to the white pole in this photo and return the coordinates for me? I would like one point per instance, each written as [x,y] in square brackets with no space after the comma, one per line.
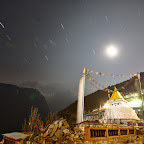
[80,103]
[140,93]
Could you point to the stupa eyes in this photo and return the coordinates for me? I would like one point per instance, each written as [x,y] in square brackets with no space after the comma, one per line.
[115,104]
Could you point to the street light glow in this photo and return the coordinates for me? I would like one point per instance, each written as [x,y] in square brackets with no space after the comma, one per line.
[106,105]
[135,103]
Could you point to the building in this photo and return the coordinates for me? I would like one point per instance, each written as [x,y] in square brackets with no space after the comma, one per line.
[14,138]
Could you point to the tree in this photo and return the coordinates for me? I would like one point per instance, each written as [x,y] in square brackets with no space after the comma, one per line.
[34,124]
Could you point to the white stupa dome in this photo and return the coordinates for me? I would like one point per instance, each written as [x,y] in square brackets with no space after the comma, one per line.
[119,109]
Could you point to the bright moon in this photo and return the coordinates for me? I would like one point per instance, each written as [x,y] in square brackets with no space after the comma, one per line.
[111,51]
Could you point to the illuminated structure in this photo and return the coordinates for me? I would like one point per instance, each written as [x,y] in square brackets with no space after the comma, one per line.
[118,109]
[135,102]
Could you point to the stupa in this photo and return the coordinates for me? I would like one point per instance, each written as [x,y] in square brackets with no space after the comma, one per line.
[118,109]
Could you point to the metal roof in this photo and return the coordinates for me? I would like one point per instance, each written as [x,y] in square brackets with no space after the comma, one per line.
[15,135]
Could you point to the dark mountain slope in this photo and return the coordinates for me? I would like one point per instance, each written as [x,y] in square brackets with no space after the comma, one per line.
[15,105]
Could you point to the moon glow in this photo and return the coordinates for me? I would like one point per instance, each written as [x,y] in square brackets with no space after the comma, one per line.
[111,51]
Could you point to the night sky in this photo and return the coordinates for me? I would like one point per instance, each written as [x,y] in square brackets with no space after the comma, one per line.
[45,44]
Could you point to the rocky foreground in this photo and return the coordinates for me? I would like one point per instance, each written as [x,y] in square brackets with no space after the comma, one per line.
[60,132]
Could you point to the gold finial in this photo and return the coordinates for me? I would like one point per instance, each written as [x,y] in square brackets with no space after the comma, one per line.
[115,88]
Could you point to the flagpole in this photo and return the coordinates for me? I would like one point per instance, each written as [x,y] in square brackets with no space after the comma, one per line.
[140,92]
[80,102]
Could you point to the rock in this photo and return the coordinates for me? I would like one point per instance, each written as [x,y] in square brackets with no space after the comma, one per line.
[54,130]
[72,135]
[58,133]
[66,131]
[49,131]
[76,136]
[45,135]
[54,138]
[56,122]
[60,123]
[41,134]
[65,124]
[42,130]
[71,139]
[64,127]
[51,126]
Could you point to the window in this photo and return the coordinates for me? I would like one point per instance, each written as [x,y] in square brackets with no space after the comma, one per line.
[113,132]
[131,131]
[97,133]
[123,132]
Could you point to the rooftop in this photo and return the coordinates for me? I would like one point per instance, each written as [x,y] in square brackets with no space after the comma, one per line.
[15,135]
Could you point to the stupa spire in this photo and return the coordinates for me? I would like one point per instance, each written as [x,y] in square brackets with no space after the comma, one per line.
[116,94]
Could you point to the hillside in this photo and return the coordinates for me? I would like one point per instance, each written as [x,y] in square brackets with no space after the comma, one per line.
[94,100]
[15,105]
